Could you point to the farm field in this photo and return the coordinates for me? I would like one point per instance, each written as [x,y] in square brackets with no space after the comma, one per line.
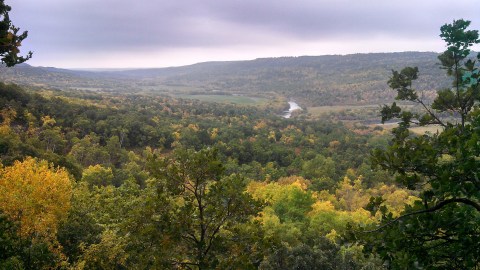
[242,100]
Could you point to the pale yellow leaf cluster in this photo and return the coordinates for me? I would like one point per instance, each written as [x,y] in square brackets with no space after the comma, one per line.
[194,127]
[214,133]
[260,124]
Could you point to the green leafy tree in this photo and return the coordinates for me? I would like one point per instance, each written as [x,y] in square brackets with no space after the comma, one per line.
[321,256]
[442,230]
[97,176]
[97,234]
[10,39]
[319,167]
[206,206]
[23,253]
[80,230]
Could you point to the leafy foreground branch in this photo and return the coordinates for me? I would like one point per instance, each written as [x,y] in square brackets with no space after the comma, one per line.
[442,230]
[429,210]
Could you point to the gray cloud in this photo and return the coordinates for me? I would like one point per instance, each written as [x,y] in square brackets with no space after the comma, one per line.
[102,26]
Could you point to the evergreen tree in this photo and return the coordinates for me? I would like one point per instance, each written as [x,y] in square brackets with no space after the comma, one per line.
[10,39]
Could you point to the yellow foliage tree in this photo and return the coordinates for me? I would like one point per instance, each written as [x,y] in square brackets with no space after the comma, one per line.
[351,196]
[36,195]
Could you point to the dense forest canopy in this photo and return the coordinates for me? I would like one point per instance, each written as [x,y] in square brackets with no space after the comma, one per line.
[127,155]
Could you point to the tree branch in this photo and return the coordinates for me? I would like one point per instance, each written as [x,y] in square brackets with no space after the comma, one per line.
[217,228]
[429,210]
[431,113]
[191,237]
[184,264]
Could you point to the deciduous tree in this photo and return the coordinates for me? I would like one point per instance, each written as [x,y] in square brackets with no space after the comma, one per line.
[206,205]
[36,195]
[442,230]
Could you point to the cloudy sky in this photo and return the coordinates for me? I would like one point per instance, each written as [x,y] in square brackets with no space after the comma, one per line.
[159,33]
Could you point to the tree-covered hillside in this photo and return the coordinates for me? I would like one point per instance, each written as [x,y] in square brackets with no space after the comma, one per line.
[356,79]
[135,160]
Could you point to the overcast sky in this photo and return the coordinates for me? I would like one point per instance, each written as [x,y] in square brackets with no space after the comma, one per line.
[159,33]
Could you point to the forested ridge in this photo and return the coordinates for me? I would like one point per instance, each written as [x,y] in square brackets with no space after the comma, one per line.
[95,177]
[356,79]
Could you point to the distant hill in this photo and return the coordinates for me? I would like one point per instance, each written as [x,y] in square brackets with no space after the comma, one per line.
[312,80]
[51,77]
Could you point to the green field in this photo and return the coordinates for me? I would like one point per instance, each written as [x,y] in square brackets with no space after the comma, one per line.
[317,111]
[430,129]
[243,100]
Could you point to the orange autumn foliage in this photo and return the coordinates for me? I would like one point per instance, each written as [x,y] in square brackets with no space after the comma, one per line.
[36,195]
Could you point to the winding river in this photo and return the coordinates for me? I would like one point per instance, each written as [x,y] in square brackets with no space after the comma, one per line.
[293,107]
